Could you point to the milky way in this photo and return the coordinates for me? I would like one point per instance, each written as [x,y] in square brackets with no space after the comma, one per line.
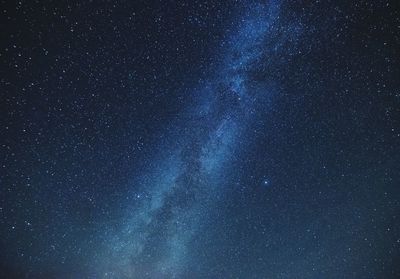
[200,139]
[178,196]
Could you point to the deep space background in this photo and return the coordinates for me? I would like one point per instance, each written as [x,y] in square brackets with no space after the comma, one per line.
[200,139]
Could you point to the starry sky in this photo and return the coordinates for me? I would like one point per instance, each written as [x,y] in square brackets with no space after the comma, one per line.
[200,139]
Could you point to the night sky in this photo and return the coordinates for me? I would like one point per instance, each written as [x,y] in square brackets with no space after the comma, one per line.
[200,139]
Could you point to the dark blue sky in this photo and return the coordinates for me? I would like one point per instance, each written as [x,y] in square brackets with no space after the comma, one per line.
[137,137]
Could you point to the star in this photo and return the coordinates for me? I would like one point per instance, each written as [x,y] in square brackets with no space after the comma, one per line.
[265,182]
